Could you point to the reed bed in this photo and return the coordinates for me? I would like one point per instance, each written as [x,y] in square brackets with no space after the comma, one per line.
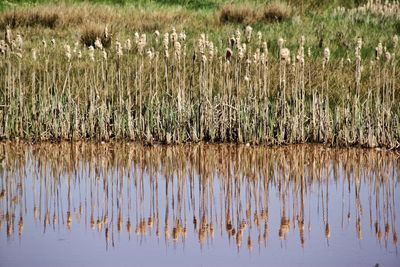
[168,88]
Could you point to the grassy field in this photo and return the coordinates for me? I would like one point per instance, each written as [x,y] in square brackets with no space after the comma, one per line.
[182,71]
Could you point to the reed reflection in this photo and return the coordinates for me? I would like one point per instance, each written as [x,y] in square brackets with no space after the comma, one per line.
[200,191]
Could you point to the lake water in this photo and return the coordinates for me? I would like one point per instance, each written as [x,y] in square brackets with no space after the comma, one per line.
[86,204]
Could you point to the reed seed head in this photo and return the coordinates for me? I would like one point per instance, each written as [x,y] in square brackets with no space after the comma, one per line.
[67,52]
[118,48]
[34,54]
[98,44]
[327,55]
[182,36]
[19,42]
[378,51]
[166,40]
[248,33]
[136,38]
[91,53]
[302,40]
[284,54]
[8,35]
[259,37]
[280,43]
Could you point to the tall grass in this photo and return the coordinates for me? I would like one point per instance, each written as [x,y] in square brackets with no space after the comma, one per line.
[170,89]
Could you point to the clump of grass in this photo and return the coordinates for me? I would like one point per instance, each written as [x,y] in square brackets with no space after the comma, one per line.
[92,33]
[237,13]
[277,11]
[29,18]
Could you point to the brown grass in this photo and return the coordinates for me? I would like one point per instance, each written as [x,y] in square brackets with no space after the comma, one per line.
[277,11]
[249,14]
[238,13]
[29,18]
[91,32]
[67,16]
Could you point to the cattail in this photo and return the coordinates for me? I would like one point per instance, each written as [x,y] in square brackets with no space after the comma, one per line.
[204,59]
[228,54]
[76,45]
[105,32]
[259,37]
[182,36]
[280,43]
[256,56]
[44,43]
[91,53]
[150,54]
[142,43]
[300,55]
[327,54]
[80,55]
[13,45]
[378,51]
[211,49]
[8,35]
[388,56]
[241,52]
[136,38]
[166,40]
[359,43]
[67,52]
[98,44]
[309,52]
[201,44]
[157,35]
[174,36]
[237,37]
[128,45]
[302,40]
[177,47]
[53,42]
[118,48]
[265,48]
[395,40]
[248,32]
[19,42]
[34,55]
[284,54]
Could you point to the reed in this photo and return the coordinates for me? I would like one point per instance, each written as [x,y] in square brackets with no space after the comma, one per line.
[167,88]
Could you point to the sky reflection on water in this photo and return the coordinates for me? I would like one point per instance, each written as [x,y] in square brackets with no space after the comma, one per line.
[201,205]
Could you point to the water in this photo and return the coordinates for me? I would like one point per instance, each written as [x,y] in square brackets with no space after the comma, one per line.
[201,205]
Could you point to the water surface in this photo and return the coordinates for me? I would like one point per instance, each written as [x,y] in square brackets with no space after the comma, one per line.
[117,204]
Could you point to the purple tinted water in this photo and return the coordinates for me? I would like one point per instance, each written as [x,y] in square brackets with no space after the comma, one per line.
[201,205]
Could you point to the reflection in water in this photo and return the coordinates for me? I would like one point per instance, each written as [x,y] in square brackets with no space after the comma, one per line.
[179,192]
